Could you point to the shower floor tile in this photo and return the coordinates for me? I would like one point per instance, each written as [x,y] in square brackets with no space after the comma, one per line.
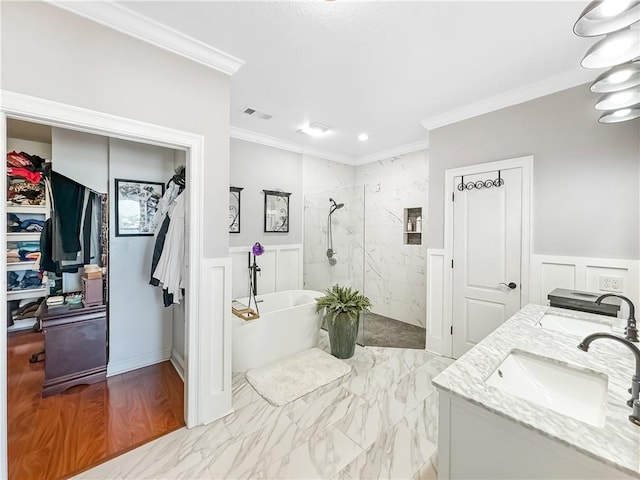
[381,331]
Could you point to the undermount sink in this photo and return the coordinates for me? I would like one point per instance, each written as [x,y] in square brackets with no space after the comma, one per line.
[573,326]
[567,390]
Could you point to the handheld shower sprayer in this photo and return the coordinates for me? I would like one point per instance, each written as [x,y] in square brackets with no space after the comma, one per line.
[330,251]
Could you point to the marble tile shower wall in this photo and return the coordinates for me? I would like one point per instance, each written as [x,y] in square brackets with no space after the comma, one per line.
[348,239]
[394,273]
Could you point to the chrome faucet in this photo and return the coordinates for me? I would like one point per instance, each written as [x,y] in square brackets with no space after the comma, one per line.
[631,332]
[634,402]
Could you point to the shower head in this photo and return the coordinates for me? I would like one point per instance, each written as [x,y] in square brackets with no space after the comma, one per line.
[334,206]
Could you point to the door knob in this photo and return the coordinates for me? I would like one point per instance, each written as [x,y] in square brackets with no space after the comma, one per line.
[511,285]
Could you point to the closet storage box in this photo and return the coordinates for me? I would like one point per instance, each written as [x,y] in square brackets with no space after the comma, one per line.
[91,291]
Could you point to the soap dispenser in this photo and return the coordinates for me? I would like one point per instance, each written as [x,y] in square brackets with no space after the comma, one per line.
[419,224]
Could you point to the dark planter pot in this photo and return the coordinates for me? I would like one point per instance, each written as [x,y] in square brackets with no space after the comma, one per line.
[343,329]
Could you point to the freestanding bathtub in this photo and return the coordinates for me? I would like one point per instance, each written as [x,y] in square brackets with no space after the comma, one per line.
[288,323]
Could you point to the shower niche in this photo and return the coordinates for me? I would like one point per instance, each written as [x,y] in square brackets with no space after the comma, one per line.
[412,226]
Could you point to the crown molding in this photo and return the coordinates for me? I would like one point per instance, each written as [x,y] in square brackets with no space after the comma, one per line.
[130,23]
[254,137]
[550,85]
[393,152]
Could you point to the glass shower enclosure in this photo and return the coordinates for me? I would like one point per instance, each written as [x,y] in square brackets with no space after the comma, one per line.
[334,237]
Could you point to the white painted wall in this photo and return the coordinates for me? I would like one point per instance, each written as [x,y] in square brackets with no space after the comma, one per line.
[395,273]
[140,327]
[33,148]
[255,168]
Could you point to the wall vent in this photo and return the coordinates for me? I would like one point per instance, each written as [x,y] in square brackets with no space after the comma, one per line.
[256,113]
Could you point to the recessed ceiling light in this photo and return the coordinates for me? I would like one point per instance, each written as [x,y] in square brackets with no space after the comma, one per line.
[363,137]
[314,129]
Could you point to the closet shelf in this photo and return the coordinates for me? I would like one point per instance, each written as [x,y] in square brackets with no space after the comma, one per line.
[23,237]
[34,209]
[28,293]
[14,266]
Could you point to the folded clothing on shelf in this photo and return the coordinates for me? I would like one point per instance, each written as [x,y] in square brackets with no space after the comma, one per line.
[26,193]
[55,300]
[33,163]
[15,224]
[28,280]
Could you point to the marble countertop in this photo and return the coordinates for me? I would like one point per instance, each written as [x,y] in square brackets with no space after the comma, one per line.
[616,444]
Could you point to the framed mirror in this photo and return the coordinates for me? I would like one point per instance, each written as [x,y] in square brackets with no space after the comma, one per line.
[234,209]
[276,211]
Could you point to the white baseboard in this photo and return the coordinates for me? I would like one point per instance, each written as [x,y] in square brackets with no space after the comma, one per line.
[138,361]
[178,363]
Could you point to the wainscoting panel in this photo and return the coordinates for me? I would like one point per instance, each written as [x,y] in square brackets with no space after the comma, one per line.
[280,269]
[547,273]
[582,273]
[438,334]
[213,367]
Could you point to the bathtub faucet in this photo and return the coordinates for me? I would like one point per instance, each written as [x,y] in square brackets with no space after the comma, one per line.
[254,269]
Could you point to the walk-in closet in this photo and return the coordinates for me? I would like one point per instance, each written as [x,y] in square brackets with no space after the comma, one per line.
[95,241]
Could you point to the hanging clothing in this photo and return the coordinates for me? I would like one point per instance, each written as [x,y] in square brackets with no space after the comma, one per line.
[68,197]
[170,270]
[163,206]
[71,236]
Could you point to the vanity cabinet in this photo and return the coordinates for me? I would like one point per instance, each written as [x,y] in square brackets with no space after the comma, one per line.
[75,340]
[476,443]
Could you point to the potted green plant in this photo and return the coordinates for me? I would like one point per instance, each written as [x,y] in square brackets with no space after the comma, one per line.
[342,307]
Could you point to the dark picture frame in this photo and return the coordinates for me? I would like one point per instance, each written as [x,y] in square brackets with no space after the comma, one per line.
[234,209]
[136,204]
[276,211]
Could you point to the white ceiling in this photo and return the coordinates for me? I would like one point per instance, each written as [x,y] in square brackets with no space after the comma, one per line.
[378,67]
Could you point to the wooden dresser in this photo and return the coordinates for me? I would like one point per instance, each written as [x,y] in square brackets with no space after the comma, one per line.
[75,342]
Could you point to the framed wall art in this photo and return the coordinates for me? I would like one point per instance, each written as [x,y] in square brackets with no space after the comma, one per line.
[276,211]
[234,209]
[136,204]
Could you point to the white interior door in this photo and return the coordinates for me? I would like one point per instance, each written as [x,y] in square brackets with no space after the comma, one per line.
[487,251]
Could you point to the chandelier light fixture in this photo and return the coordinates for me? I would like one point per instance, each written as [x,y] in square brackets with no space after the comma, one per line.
[618,21]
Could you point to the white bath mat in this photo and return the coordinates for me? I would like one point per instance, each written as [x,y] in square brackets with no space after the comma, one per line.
[292,377]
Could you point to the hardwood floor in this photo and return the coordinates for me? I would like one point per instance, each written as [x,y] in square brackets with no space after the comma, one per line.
[54,437]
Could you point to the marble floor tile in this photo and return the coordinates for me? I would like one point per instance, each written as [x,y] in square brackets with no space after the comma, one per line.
[180,454]
[256,415]
[323,456]
[244,458]
[398,453]
[325,410]
[243,393]
[377,379]
[379,421]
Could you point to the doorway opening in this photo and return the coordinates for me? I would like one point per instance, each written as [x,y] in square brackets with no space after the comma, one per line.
[28,109]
